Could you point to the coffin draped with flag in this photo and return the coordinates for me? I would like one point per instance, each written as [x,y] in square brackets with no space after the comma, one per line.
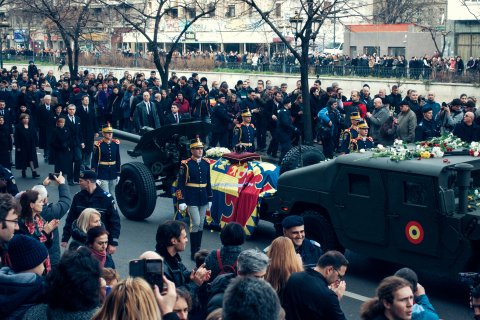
[238,190]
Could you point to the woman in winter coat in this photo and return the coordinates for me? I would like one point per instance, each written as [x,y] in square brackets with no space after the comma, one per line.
[115,113]
[59,148]
[26,146]
[88,219]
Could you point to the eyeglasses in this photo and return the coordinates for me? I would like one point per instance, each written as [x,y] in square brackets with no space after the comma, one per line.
[14,221]
[340,276]
[101,243]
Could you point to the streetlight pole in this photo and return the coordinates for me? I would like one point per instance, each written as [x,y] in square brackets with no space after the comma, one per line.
[3,24]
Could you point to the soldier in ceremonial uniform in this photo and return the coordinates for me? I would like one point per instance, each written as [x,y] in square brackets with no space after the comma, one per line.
[244,133]
[106,160]
[362,141]
[349,133]
[195,192]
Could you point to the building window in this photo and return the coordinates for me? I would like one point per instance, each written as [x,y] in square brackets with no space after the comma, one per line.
[211,8]
[173,12]
[371,50]
[230,11]
[191,13]
[396,51]
[278,10]
[353,51]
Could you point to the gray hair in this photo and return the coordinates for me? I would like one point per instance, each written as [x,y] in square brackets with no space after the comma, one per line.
[250,298]
[42,191]
[251,261]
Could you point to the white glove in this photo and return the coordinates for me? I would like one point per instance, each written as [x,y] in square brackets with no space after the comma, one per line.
[118,180]
[182,206]
[209,206]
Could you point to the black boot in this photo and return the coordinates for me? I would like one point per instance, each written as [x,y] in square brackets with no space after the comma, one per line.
[24,174]
[35,174]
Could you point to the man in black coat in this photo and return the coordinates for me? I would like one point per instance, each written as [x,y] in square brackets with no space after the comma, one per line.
[220,121]
[308,295]
[45,113]
[73,122]
[427,128]
[467,130]
[89,127]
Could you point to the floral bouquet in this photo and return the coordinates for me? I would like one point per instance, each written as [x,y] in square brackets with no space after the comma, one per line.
[474,149]
[399,151]
[217,152]
[445,143]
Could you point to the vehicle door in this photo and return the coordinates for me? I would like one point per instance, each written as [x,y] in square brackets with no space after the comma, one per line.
[360,203]
[412,212]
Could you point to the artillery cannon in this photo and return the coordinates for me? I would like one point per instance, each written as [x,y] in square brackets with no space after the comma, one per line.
[161,150]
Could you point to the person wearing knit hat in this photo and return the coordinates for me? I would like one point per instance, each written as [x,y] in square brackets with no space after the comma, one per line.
[27,254]
[22,284]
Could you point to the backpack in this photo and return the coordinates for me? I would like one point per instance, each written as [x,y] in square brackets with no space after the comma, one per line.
[227,268]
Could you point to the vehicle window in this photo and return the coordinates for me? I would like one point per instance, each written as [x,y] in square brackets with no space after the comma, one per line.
[414,193]
[359,184]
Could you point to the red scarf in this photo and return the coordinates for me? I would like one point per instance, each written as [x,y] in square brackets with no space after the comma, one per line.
[100,256]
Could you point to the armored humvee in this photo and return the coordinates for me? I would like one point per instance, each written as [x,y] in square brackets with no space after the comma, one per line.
[420,213]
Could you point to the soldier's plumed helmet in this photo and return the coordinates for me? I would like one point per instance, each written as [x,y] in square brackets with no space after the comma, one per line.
[362,125]
[196,143]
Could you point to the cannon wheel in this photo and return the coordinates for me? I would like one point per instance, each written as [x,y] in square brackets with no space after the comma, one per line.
[135,192]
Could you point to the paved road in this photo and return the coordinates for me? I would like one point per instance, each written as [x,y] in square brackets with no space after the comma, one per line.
[363,275]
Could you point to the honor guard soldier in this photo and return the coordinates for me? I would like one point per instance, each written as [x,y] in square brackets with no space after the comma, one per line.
[362,141]
[349,133]
[244,133]
[195,192]
[106,159]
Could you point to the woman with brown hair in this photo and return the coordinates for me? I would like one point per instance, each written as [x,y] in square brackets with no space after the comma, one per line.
[283,262]
[30,222]
[26,146]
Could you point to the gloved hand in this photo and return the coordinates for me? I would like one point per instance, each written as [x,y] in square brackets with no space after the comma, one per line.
[118,180]
[182,206]
[209,206]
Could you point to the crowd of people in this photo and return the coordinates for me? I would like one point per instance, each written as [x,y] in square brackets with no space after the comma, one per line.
[294,278]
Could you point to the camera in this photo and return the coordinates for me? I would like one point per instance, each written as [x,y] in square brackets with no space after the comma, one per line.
[52,176]
[151,270]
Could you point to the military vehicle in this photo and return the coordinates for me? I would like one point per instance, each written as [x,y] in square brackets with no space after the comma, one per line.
[420,213]
[161,151]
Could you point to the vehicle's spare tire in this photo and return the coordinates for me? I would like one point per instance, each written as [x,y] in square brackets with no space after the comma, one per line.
[296,158]
[135,193]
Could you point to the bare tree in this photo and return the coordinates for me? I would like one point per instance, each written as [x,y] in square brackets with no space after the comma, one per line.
[405,11]
[470,10]
[69,18]
[146,19]
[310,15]
[435,33]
